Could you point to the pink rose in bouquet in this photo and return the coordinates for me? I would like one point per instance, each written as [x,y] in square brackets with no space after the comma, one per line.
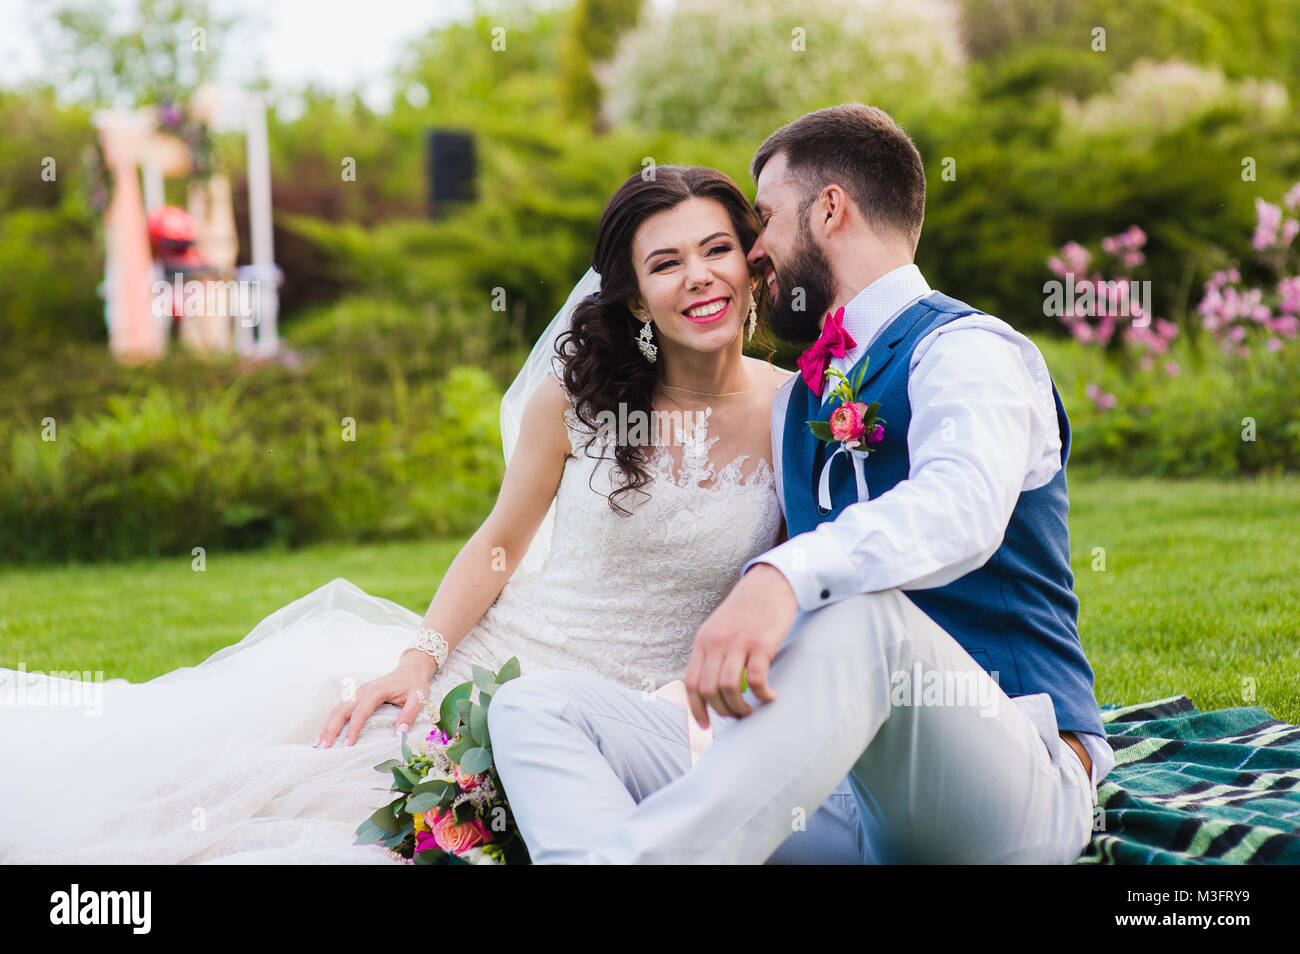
[466,782]
[456,838]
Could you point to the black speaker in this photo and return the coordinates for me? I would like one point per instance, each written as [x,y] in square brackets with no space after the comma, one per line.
[452,168]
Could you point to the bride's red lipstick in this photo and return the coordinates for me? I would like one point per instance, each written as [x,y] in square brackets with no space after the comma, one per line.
[709,319]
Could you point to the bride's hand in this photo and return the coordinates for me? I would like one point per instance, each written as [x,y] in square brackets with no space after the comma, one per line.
[406,686]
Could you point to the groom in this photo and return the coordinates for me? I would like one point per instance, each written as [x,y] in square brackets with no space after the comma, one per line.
[917,633]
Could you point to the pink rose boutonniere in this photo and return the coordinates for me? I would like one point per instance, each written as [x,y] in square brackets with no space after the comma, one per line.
[854,426]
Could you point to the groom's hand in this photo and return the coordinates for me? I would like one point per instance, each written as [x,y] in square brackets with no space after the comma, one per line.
[740,636]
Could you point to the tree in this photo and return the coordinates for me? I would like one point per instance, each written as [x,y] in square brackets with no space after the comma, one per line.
[170,49]
[595,27]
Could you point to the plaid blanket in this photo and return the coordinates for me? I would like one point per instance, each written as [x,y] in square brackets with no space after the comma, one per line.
[1193,787]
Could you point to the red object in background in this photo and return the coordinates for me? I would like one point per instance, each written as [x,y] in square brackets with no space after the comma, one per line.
[170,224]
[171,235]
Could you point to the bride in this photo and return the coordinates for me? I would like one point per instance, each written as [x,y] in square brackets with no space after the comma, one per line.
[638,484]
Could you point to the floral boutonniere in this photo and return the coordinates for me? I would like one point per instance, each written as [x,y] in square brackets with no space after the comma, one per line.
[855,426]
[852,424]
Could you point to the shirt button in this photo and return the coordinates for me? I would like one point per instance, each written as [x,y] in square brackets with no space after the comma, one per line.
[826,594]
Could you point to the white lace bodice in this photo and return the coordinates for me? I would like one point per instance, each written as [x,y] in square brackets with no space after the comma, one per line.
[623,596]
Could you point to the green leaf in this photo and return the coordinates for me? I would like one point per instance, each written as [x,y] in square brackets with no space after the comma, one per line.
[385,766]
[457,749]
[435,785]
[368,833]
[447,711]
[871,410]
[406,753]
[423,803]
[475,761]
[860,375]
[383,817]
[821,430]
[462,712]
[401,782]
[478,725]
[509,671]
[410,776]
[484,678]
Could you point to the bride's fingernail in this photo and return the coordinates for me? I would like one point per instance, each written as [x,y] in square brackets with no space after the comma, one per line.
[316,744]
[403,727]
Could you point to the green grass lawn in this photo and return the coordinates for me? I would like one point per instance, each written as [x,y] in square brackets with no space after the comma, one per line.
[1198,595]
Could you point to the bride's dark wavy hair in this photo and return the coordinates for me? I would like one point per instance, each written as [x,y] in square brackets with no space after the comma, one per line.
[603,367]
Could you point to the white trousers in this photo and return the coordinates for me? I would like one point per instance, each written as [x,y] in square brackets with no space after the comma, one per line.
[872,697]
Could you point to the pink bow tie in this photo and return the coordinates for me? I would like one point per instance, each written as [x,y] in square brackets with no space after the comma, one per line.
[834,342]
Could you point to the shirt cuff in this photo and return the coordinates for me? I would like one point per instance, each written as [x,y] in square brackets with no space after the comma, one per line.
[816,567]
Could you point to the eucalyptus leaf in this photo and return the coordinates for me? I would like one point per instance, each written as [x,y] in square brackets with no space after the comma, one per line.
[383,818]
[475,761]
[435,785]
[484,678]
[418,804]
[447,711]
[400,782]
[458,748]
[509,671]
[368,833]
[478,725]
[410,776]
[385,766]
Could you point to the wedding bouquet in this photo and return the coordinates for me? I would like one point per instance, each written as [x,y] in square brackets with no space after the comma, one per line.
[450,807]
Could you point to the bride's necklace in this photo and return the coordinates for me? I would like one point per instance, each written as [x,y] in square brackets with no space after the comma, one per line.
[671,387]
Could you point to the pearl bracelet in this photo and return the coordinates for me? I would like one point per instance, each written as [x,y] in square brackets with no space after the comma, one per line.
[431,643]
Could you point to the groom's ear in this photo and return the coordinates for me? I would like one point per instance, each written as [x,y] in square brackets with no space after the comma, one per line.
[831,208]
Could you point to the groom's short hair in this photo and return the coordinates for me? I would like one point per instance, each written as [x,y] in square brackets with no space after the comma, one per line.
[862,149]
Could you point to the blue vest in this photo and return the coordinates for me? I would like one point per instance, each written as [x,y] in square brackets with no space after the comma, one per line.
[1016,615]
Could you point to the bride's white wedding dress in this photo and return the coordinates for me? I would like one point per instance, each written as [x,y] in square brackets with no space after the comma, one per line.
[215,763]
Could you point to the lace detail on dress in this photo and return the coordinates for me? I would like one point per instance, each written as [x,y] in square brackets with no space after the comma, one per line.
[623,596]
[698,471]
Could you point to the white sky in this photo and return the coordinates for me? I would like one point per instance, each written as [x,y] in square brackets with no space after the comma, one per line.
[338,44]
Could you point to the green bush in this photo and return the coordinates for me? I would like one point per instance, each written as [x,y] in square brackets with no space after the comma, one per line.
[1220,416]
[51,264]
[183,454]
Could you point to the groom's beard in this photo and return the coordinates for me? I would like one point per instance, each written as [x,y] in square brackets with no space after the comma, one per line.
[807,269]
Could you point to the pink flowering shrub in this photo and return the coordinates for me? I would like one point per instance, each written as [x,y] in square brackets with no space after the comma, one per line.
[1219,399]
[1112,313]
[1239,316]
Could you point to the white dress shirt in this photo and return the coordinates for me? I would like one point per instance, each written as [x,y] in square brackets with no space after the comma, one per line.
[983,430]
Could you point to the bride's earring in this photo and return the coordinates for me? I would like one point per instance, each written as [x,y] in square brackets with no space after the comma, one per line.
[753,320]
[646,342]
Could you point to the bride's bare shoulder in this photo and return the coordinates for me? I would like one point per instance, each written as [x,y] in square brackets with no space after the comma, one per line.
[771,376]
